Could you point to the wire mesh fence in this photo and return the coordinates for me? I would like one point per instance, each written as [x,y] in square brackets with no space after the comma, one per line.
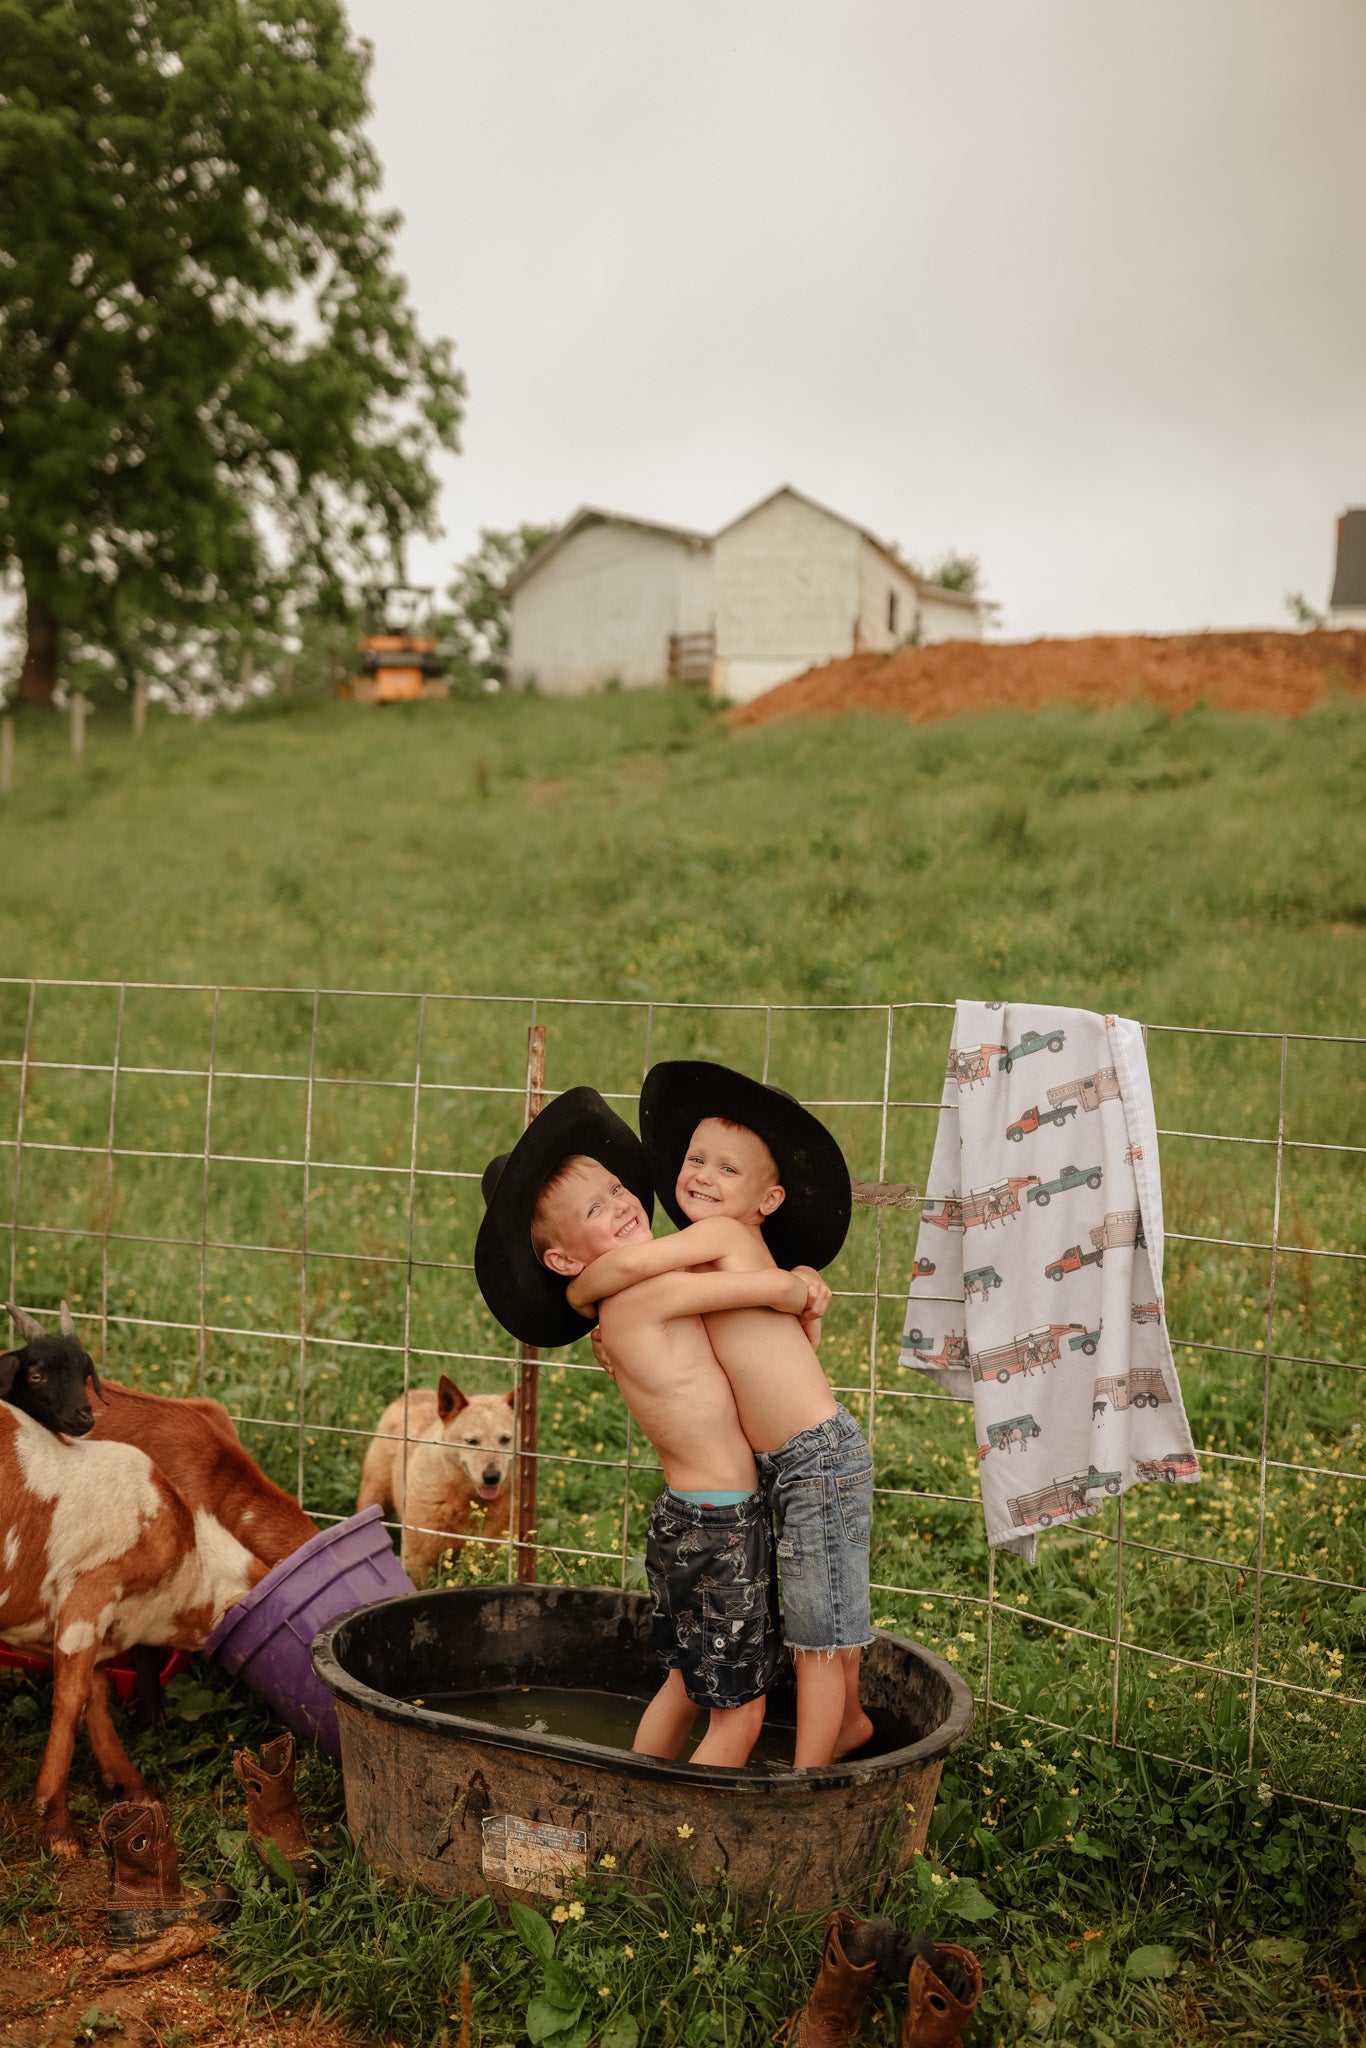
[271,1195]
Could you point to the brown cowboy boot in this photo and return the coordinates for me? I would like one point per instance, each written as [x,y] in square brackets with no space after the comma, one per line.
[146,1896]
[833,2014]
[936,2015]
[273,1811]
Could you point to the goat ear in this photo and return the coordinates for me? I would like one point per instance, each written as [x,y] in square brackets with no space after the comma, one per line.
[9,1366]
[93,1375]
[449,1399]
[511,1398]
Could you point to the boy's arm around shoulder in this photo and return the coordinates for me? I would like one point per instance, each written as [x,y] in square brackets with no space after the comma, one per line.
[700,1244]
[674,1295]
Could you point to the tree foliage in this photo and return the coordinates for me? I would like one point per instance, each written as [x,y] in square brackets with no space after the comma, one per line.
[478,627]
[212,387]
[955,571]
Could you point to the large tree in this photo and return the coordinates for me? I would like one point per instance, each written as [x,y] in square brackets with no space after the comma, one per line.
[212,387]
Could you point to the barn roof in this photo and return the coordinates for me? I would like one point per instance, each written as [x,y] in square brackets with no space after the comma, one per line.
[922,583]
[1349,581]
[594,515]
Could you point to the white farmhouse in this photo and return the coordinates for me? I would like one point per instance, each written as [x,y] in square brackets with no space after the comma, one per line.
[1347,605]
[786,586]
[796,585]
[600,602]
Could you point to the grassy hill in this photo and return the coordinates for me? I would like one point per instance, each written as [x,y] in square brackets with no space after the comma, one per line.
[1206,870]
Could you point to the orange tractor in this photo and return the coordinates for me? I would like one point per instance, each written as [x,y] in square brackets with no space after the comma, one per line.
[398,657]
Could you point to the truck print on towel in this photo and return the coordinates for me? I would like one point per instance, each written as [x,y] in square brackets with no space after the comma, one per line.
[1144,1387]
[1064,1500]
[1035,1118]
[988,1205]
[1057,1336]
[1019,1429]
[1021,1354]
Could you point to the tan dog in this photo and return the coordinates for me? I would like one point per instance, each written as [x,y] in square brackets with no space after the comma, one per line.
[459,1452]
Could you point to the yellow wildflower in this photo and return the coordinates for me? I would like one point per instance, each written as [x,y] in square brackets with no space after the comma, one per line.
[699,1927]
[560,1914]
[684,1831]
[607,1862]
[576,1910]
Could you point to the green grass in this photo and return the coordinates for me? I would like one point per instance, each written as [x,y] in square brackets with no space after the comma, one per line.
[1113,1903]
[1207,871]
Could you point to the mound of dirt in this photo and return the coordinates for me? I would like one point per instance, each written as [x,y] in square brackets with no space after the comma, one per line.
[1282,673]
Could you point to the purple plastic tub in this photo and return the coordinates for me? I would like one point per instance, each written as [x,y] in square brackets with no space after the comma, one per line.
[268,1637]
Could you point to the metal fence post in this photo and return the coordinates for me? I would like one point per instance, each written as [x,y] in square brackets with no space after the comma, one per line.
[528,1369]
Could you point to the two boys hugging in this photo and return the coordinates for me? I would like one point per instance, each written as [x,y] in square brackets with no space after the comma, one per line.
[711,1336]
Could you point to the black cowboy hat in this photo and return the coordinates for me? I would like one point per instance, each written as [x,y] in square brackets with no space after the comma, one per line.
[527,1298]
[813,1221]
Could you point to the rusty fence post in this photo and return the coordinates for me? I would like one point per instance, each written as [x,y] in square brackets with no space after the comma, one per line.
[528,1357]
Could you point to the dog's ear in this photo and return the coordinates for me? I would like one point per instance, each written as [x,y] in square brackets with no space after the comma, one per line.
[9,1366]
[449,1399]
[511,1398]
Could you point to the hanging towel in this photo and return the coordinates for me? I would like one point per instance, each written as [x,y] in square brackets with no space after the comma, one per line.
[1037,1287]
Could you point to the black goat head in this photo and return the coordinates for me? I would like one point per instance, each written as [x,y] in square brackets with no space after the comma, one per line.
[47,1377]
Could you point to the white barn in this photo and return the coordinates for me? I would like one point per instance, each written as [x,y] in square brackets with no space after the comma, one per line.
[796,584]
[786,586]
[599,602]
[1347,605]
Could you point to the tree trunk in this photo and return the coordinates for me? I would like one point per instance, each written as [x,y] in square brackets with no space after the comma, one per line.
[38,676]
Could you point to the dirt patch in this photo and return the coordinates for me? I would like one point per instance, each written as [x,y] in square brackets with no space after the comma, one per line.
[55,1991]
[1279,673]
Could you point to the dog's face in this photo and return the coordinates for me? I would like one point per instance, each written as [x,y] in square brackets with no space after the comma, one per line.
[479,1431]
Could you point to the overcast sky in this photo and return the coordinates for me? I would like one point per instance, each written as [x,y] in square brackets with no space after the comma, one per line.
[1078,288]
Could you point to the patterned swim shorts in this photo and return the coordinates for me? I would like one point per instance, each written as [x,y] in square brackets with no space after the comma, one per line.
[710,1571]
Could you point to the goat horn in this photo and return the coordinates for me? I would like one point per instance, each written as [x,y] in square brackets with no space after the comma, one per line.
[68,1324]
[29,1326]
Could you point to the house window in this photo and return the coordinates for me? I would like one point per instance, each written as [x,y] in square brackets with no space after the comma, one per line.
[891,611]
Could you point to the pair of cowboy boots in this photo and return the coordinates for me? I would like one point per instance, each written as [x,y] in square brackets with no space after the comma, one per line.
[943,1984]
[146,1897]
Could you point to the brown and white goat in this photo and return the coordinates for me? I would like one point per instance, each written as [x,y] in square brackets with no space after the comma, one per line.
[98,1551]
[196,1446]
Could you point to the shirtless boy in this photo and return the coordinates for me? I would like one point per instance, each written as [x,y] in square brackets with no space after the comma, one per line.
[757,1183]
[576,1187]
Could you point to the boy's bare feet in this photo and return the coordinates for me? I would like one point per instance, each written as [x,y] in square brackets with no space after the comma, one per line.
[853,1734]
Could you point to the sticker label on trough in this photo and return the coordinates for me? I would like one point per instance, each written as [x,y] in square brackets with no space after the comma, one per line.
[532,1856]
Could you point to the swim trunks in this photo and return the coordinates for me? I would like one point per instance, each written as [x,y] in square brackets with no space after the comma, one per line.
[710,1571]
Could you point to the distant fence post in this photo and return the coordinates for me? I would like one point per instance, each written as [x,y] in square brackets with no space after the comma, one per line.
[139,708]
[78,726]
[528,1369]
[6,756]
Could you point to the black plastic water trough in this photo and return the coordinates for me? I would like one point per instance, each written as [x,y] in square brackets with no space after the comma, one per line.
[458,1805]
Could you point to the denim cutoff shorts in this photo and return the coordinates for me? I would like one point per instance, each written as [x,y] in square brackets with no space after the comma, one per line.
[710,1572]
[820,1487]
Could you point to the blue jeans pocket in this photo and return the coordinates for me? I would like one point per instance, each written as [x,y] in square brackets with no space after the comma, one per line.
[854,1491]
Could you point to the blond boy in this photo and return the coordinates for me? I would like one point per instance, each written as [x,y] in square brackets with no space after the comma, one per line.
[721,1177]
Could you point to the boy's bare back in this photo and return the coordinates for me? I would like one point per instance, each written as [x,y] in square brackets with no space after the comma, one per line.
[670,1380]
